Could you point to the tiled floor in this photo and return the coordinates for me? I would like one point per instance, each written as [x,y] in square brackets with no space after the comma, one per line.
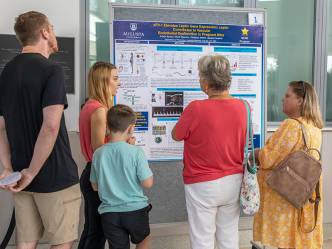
[327,245]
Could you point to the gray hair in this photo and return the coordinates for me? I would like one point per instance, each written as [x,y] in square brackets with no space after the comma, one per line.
[215,69]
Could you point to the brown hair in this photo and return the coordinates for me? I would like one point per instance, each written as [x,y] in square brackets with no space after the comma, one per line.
[28,26]
[215,69]
[98,83]
[310,108]
[120,117]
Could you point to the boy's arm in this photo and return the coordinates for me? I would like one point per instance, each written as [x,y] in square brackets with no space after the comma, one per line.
[144,173]
[147,183]
[94,186]
[93,176]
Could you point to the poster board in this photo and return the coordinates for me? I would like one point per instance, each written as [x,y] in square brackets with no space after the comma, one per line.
[165,37]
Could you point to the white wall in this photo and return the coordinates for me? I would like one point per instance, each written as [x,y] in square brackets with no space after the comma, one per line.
[64,15]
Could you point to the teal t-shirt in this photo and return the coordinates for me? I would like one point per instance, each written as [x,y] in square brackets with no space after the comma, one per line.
[118,169]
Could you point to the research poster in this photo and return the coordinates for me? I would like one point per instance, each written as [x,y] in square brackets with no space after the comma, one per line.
[157,68]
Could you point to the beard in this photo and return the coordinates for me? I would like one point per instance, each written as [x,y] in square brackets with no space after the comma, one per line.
[53,46]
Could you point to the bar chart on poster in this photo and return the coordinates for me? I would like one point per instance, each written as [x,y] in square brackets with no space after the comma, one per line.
[157,67]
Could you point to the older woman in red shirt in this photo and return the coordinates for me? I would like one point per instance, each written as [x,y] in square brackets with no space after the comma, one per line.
[214,134]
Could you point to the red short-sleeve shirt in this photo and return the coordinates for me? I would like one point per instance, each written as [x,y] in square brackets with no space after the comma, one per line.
[214,134]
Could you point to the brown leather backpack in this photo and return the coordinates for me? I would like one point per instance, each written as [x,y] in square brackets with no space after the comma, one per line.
[296,177]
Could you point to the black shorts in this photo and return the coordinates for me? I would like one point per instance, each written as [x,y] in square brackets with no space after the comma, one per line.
[118,226]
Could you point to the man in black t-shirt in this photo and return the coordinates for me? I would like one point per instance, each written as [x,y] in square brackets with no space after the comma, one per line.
[34,139]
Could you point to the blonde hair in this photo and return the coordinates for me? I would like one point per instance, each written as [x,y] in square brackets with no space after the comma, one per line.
[310,108]
[215,69]
[98,83]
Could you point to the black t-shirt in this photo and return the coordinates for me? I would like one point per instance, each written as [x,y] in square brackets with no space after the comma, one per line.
[29,83]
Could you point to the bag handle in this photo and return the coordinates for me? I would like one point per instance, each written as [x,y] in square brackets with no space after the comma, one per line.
[304,133]
[316,201]
[317,152]
[248,127]
[249,131]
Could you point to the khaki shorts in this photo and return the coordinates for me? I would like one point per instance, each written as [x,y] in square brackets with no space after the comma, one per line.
[55,213]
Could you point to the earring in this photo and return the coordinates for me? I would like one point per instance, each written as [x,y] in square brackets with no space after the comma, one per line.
[298,106]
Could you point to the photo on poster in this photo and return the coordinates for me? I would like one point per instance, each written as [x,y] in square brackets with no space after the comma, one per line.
[158,131]
[173,98]
[131,63]
[157,98]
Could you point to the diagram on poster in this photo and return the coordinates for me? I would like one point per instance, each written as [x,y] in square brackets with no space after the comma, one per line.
[157,67]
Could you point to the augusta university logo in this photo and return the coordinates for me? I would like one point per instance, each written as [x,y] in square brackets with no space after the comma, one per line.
[133,26]
[132,34]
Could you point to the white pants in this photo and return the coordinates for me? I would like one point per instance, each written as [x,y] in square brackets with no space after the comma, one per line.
[214,209]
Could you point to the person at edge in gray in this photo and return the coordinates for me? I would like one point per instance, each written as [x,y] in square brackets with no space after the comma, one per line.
[34,139]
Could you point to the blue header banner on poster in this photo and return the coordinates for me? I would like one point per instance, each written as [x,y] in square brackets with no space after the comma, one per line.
[187,32]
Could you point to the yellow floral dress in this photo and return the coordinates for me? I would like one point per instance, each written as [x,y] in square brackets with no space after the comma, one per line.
[276,223]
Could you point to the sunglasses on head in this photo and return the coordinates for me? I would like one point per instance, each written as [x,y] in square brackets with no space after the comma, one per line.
[302,81]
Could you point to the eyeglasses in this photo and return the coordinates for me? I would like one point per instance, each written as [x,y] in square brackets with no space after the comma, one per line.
[302,81]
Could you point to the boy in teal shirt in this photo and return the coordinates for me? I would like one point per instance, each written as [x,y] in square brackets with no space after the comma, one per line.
[118,171]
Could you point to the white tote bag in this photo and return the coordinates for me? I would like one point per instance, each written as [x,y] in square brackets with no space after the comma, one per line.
[250,195]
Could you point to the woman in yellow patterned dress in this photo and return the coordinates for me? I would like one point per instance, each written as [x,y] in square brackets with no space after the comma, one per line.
[276,223]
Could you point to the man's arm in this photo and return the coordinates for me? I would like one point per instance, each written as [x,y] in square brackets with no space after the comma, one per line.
[44,144]
[5,155]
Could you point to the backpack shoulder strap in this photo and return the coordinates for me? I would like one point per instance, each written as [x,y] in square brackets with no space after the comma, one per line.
[316,201]
[304,133]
